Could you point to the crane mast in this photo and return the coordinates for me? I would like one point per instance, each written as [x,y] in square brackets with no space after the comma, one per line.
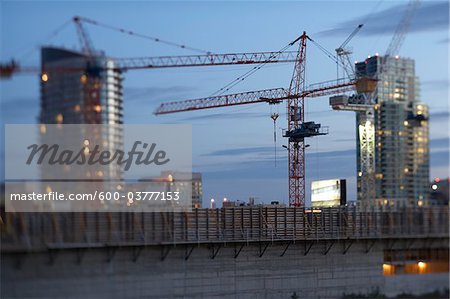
[295,117]
[297,128]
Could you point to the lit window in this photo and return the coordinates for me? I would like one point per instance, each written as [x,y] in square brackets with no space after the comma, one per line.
[44,77]
[42,129]
[59,118]
[388,269]
[97,108]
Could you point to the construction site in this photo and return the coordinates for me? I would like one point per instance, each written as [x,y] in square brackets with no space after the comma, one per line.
[391,239]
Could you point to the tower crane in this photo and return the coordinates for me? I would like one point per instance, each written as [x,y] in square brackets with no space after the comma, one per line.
[364,104]
[135,63]
[297,129]
[343,55]
[7,70]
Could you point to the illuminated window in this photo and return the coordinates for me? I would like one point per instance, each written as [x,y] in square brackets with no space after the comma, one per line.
[97,108]
[388,269]
[42,129]
[59,118]
[44,77]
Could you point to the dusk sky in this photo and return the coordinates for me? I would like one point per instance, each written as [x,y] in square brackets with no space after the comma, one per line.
[233,147]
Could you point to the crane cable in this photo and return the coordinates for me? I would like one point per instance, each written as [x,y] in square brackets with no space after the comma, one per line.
[24,55]
[241,78]
[144,36]
[326,52]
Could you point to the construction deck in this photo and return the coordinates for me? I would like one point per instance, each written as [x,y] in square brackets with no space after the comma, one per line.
[43,231]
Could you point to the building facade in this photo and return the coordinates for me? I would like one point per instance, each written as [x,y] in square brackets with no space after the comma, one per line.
[184,179]
[81,89]
[400,133]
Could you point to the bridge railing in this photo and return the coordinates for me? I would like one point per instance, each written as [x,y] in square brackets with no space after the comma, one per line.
[35,231]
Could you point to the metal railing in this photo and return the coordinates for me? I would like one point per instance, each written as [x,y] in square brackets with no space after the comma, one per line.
[37,231]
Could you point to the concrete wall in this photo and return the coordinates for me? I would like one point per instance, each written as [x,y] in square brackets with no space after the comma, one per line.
[248,276]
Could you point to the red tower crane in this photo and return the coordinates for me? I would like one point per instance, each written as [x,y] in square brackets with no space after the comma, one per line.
[297,130]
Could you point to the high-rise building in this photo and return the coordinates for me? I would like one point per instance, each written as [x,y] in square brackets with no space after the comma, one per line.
[399,127]
[194,179]
[81,89]
[77,89]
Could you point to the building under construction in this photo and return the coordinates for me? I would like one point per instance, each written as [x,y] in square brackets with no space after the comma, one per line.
[400,134]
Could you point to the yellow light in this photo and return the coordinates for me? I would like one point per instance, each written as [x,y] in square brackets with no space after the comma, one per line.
[405,122]
[48,189]
[360,173]
[170,178]
[42,129]
[86,142]
[421,265]
[77,108]
[97,108]
[388,269]
[420,203]
[100,173]
[59,118]
[44,77]
[406,170]
[83,79]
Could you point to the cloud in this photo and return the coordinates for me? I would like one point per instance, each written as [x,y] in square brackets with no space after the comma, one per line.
[240,151]
[436,84]
[429,16]
[439,115]
[268,149]
[439,143]
[226,115]
[317,165]
[439,158]
[150,93]
[19,110]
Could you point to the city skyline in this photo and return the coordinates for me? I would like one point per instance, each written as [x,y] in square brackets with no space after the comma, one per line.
[244,163]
